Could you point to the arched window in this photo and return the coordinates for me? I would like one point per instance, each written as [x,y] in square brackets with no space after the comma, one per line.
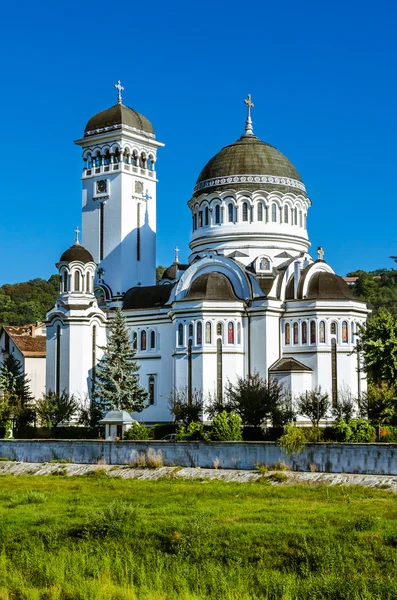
[245,211]
[77,281]
[300,219]
[296,334]
[150,163]
[106,158]
[208,332]
[260,211]
[134,158]
[199,334]
[180,334]
[239,333]
[312,332]
[190,330]
[126,157]
[98,160]
[274,213]
[207,215]
[143,340]
[304,332]
[230,212]
[88,282]
[151,389]
[200,218]
[219,330]
[217,214]
[321,332]
[345,339]
[152,340]
[295,216]
[134,340]
[287,333]
[285,214]
[142,161]
[264,264]
[194,222]
[116,158]
[353,332]
[230,333]
[89,161]
[65,281]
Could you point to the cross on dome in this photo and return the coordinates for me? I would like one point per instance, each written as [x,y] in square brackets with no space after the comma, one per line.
[320,253]
[76,241]
[248,123]
[176,250]
[119,89]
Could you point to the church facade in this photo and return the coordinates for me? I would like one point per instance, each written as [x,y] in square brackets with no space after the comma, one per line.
[251,298]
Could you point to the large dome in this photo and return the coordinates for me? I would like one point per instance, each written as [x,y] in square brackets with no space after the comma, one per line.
[249,164]
[114,117]
[77,252]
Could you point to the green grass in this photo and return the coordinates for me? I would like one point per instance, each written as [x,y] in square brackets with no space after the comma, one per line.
[81,538]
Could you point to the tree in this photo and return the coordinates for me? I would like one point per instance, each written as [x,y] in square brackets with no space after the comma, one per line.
[378,344]
[227,427]
[183,411]
[159,272]
[15,390]
[379,404]
[346,405]
[314,405]
[255,399]
[53,409]
[116,383]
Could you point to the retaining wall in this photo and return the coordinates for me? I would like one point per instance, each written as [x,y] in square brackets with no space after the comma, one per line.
[377,459]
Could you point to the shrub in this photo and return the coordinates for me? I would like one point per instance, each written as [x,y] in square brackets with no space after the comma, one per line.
[294,440]
[31,497]
[138,431]
[313,404]
[182,408]
[111,521]
[355,431]
[194,431]
[147,460]
[227,427]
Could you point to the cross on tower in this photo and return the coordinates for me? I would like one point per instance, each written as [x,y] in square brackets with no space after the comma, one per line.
[248,123]
[77,231]
[320,253]
[176,250]
[119,89]
[146,196]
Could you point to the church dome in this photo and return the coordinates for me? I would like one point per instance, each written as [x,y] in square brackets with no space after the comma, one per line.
[116,116]
[211,286]
[77,252]
[329,286]
[249,164]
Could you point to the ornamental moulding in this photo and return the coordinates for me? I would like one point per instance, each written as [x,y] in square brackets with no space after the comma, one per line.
[250,179]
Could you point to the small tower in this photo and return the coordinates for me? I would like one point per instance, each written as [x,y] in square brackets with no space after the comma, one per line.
[76,327]
[119,196]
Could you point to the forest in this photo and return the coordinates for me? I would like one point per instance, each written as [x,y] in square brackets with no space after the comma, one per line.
[28,302]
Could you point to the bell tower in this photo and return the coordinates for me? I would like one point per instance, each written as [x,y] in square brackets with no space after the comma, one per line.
[119,196]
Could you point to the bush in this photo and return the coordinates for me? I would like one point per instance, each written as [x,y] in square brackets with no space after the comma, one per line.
[160,430]
[294,440]
[387,434]
[111,521]
[355,431]
[194,431]
[227,427]
[138,431]
[313,404]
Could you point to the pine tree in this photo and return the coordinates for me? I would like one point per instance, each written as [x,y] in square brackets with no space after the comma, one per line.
[15,389]
[116,384]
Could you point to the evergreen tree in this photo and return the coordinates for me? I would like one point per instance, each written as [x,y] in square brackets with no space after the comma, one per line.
[116,383]
[15,390]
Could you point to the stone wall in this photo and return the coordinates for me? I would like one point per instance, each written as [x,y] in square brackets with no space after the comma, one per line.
[377,459]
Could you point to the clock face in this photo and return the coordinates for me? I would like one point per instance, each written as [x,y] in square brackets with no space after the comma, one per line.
[101,186]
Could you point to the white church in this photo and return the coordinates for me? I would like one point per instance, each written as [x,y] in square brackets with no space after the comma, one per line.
[251,298]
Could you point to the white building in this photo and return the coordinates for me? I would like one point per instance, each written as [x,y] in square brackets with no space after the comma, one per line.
[250,299]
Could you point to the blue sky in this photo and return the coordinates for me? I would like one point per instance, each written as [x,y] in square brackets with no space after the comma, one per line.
[322,77]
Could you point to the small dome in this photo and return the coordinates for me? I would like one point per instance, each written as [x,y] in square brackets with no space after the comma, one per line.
[249,156]
[171,272]
[211,286]
[76,252]
[114,117]
[328,286]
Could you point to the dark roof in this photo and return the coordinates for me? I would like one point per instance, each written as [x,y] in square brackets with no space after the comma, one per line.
[172,270]
[119,114]
[248,156]
[211,286]
[265,283]
[150,296]
[76,252]
[28,345]
[328,286]
[287,365]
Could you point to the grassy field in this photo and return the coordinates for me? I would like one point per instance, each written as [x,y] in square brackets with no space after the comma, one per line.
[105,538]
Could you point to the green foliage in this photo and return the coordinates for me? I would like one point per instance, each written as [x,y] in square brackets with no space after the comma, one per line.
[116,383]
[313,404]
[346,405]
[111,521]
[28,302]
[227,427]
[355,431]
[52,409]
[182,410]
[137,431]
[293,440]
[159,272]
[255,400]
[378,288]
[8,430]
[377,341]
[15,396]
[194,432]
[30,497]
[379,404]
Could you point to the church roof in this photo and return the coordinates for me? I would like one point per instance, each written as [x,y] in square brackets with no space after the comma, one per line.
[172,271]
[114,117]
[249,156]
[211,286]
[76,252]
[150,296]
[329,286]
[286,365]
